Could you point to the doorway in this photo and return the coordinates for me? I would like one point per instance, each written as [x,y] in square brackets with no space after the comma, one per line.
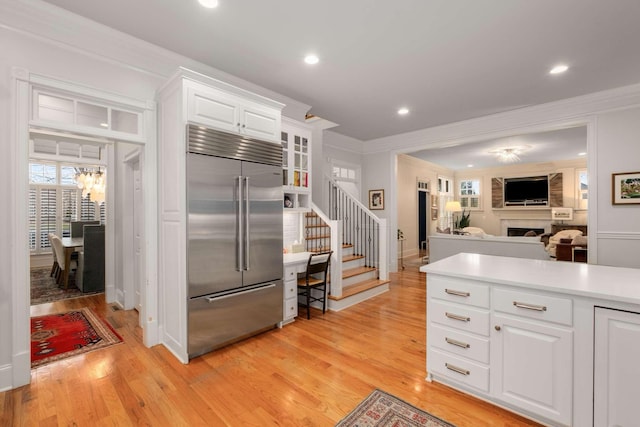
[133,231]
[424,210]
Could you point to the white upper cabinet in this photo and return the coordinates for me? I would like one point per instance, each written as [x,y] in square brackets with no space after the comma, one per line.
[215,108]
[296,164]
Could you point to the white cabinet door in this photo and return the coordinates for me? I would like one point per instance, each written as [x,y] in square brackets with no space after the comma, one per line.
[616,368]
[213,109]
[261,123]
[216,109]
[531,366]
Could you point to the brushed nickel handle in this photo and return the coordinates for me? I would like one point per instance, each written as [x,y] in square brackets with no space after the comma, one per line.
[457,317]
[457,343]
[530,306]
[457,293]
[456,369]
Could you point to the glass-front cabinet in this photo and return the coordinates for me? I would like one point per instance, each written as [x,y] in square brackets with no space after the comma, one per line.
[296,164]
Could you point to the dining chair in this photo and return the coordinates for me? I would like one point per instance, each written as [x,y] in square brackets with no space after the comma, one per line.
[55,268]
[58,249]
[315,278]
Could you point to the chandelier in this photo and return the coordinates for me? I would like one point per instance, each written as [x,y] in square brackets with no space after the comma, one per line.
[509,154]
[92,184]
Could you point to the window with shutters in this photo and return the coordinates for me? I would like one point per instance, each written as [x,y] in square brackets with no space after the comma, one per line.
[54,202]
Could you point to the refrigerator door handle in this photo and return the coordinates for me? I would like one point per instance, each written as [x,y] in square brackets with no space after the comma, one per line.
[247,233]
[235,294]
[239,225]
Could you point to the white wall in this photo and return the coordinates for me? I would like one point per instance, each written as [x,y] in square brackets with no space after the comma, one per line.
[328,145]
[618,150]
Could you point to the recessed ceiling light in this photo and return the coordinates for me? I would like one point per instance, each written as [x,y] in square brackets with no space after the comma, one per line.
[209,3]
[311,59]
[469,166]
[582,154]
[104,125]
[559,69]
[403,111]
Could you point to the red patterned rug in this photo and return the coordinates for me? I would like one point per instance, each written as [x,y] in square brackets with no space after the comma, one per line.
[58,336]
[381,409]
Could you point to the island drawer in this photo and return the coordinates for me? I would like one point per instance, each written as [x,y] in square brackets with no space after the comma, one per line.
[460,291]
[458,369]
[459,343]
[459,316]
[534,305]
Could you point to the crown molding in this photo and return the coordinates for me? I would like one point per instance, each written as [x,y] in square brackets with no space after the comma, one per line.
[61,28]
[565,113]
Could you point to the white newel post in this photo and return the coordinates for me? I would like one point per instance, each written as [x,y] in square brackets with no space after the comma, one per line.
[336,261]
[384,250]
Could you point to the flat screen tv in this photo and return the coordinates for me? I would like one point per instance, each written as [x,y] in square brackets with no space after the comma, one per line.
[527,191]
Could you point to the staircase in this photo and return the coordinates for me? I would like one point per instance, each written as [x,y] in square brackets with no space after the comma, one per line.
[358,277]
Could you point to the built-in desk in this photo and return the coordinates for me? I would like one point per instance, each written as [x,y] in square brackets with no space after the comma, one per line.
[294,263]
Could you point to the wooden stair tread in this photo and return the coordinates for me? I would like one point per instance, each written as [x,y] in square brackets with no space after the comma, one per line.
[316,226]
[356,288]
[324,236]
[356,271]
[347,258]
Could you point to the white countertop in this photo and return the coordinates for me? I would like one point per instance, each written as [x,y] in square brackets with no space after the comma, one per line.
[594,281]
[295,258]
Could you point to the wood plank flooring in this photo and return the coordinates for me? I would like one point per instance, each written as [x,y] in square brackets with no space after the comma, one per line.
[310,373]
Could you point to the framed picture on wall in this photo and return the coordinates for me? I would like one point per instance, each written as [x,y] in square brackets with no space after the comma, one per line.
[625,188]
[376,199]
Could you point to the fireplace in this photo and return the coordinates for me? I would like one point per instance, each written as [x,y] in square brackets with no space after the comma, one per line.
[519,231]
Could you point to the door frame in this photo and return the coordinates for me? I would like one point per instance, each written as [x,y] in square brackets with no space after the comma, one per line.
[22,84]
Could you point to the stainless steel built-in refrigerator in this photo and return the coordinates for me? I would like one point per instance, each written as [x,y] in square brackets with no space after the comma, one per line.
[234,255]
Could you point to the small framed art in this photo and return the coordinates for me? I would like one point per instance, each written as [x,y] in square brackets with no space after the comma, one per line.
[625,188]
[376,199]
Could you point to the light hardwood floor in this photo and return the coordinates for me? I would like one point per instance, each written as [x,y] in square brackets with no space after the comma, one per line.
[310,373]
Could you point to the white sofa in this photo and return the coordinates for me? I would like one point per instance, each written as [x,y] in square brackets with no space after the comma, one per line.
[445,245]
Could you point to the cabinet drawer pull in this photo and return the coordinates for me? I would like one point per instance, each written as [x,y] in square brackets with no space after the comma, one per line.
[457,317]
[456,369]
[458,293]
[456,342]
[530,306]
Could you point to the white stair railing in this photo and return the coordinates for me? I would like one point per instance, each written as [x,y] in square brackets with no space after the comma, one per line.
[360,227]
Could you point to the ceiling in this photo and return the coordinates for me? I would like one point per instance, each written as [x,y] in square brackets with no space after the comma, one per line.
[445,60]
[565,144]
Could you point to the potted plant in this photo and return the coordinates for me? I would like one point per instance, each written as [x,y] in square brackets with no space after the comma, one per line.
[463,221]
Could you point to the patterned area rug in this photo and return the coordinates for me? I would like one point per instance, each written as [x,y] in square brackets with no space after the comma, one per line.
[58,336]
[381,409]
[44,288]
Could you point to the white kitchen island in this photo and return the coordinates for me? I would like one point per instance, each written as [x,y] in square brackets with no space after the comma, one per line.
[556,342]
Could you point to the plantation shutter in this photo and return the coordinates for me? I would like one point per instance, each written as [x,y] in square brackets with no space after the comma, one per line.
[87,210]
[47,215]
[33,218]
[69,209]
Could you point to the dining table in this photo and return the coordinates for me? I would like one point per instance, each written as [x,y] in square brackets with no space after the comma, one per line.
[70,245]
